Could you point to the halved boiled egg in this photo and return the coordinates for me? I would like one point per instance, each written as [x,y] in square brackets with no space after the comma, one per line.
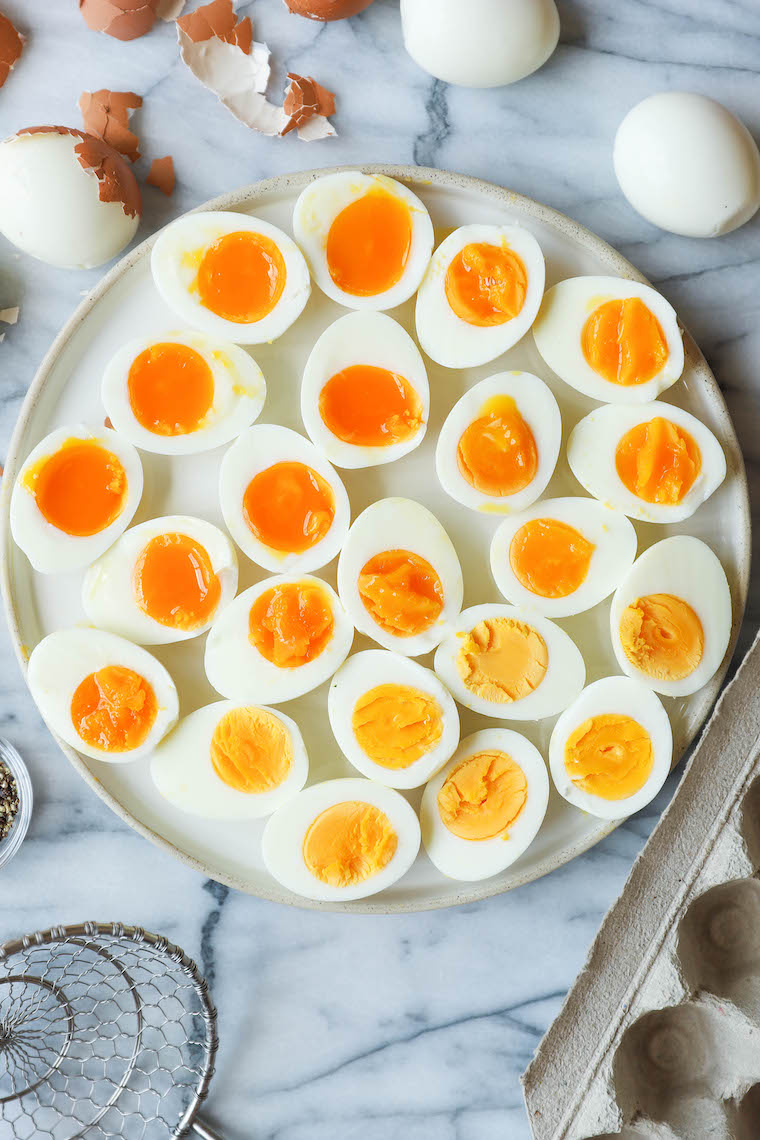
[482,810]
[278,640]
[610,752]
[283,503]
[341,840]
[75,494]
[364,396]
[562,556]
[610,338]
[367,238]
[480,294]
[499,444]
[182,393]
[103,695]
[671,616]
[232,276]
[162,581]
[399,576]
[657,463]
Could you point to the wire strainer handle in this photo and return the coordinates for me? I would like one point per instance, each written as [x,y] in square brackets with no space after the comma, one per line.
[203,1131]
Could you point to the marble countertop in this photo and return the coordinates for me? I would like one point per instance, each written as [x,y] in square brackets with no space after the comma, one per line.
[340,1026]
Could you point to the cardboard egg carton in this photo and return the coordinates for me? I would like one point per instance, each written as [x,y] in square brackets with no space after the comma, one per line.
[659,1038]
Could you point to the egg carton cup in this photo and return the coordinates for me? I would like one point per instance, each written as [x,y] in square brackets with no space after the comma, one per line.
[659,1038]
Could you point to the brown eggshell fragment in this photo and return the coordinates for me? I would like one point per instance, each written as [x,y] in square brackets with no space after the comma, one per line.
[218,20]
[116,182]
[327,9]
[11,46]
[305,98]
[106,114]
[161,175]
[122,19]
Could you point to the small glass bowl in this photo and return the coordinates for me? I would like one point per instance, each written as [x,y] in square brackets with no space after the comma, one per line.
[15,837]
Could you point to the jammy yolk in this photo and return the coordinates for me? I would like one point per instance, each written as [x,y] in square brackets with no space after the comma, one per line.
[662,636]
[486,284]
[370,406]
[175,583]
[395,725]
[658,461]
[624,343]
[291,624]
[497,452]
[348,843]
[80,489]
[368,244]
[401,591]
[251,750]
[502,660]
[483,796]
[609,756]
[171,389]
[241,277]
[550,558]
[289,507]
[114,709]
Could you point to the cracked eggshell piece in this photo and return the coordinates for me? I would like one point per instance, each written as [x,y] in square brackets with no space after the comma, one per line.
[327,9]
[122,19]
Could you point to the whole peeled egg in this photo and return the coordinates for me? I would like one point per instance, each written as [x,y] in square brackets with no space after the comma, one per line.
[327,9]
[687,165]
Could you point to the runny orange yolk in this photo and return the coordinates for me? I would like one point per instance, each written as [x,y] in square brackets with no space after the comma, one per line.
[289,507]
[348,843]
[486,284]
[291,624]
[624,343]
[174,582]
[370,406]
[658,461]
[610,756]
[483,796]
[395,725]
[241,277]
[550,558]
[401,591]
[114,709]
[497,452]
[171,389]
[368,244]
[502,659]
[80,489]
[662,636]
[251,750]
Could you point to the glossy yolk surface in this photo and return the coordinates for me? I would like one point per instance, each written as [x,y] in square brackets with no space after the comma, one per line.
[502,659]
[368,244]
[486,284]
[624,343]
[251,750]
[80,489]
[291,624]
[241,277]
[289,507]
[114,709]
[550,558]
[171,389]
[175,583]
[610,756]
[658,461]
[497,452]
[395,725]
[662,636]
[483,796]
[370,406]
[401,591]
[348,843]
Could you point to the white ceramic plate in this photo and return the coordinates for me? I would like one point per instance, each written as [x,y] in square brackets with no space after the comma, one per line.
[66,390]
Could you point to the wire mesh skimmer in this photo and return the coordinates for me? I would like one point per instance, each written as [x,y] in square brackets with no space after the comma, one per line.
[105,1031]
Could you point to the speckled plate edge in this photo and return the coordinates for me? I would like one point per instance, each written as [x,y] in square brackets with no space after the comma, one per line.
[417,176]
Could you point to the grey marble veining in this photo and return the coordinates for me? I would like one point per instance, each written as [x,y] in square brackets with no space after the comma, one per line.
[341,1026]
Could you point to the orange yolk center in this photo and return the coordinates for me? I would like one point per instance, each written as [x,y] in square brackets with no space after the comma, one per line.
[486,284]
[251,750]
[662,636]
[171,389]
[348,843]
[610,756]
[497,453]
[368,244]
[502,660]
[395,725]
[241,277]
[550,558]
[291,624]
[401,592]
[289,507]
[624,343]
[79,489]
[114,709]
[483,796]
[370,407]
[658,461]
[174,582]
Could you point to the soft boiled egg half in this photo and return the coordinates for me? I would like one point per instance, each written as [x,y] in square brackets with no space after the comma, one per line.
[75,494]
[367,238]
[230,275]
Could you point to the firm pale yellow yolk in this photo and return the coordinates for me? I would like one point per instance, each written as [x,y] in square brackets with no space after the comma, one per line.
[662,636]
[80,489]
[502,659]
[289,507]
[486,284]
[370,407]
[175,583]
[624,343]
[368,244]
[401,591]
[114,709]
[171,389]
[291,624]
[348,843]
[497,452]
[609,756]
[483,796]
[658,461]
[241,277]
[550,558]
[251,750]
[394,725]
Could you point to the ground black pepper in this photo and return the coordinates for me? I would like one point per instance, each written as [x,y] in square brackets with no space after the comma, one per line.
[9,801]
